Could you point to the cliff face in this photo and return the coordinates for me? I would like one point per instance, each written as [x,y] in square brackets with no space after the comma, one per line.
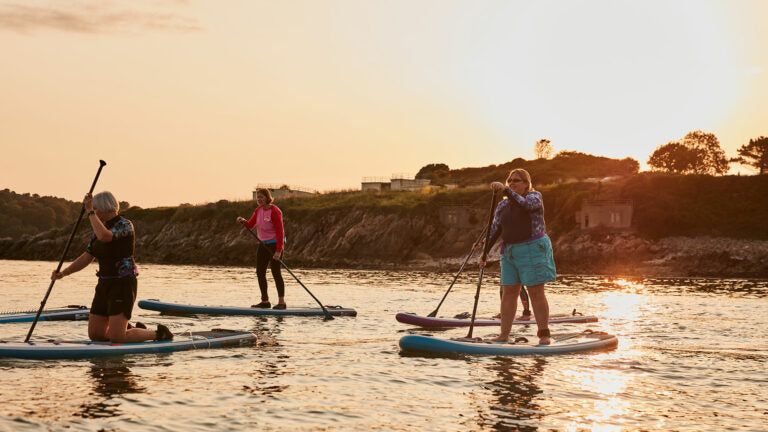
[344,237]
[361,238]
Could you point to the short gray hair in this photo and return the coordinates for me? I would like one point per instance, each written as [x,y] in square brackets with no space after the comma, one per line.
[105,202]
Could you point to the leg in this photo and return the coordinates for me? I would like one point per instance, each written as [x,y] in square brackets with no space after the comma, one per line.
[526,303]
[97,327]
[263,258]
[541,312]
[117,332]
[508,310]
[277,275]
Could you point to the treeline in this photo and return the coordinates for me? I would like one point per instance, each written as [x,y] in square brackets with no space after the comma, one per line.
[31,214]
[564,167]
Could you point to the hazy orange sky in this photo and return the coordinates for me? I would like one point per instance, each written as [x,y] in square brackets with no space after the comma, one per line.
[196,101]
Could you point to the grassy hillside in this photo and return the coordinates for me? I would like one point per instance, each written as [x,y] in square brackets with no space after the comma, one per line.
[665,205]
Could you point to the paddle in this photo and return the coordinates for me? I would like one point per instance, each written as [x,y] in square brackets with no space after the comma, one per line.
[472,251]
[64,255]
[485,256]
[325,311]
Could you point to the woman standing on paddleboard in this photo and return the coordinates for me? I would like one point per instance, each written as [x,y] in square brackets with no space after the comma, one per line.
[112,244]
[526,252]
[268,220]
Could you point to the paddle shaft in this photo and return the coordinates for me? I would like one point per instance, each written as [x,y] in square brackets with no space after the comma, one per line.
[328,316]
[472,251]
[64,255]
[485,256]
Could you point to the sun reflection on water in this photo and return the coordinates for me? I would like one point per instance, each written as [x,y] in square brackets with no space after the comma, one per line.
[604,407]
[626,303]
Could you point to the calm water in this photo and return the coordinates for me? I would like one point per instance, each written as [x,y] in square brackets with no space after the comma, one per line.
[692,356]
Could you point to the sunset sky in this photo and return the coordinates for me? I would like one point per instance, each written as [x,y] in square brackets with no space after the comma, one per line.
[196,101]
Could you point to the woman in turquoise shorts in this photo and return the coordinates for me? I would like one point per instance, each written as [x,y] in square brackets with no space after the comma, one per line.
[526,252]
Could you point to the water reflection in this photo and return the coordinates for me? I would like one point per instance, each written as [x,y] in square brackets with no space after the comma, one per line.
[514,395]
[273,361]
[111,378]
[601,391]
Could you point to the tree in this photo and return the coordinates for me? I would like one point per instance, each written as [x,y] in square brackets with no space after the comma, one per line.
[438,173]
[714,160]
[675,158]
[542,149]
[697,153]
[754,154]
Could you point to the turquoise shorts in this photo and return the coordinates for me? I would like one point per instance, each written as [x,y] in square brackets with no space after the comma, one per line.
[528,264]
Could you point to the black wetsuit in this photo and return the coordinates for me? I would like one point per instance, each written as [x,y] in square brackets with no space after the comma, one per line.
[263,260]
[116,289]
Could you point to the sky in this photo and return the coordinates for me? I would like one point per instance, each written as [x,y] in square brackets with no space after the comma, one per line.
[196,101]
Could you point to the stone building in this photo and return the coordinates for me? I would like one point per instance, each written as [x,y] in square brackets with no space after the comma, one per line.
[375,184]
[398,182]
[607,213]
[282,191]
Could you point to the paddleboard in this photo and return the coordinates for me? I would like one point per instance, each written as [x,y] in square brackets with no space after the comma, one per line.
[182,309]
[54,349]
[422,321]
[561,344]
[70,313]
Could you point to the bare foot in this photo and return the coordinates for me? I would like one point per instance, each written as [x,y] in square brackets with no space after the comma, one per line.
[544,340]
[500,339]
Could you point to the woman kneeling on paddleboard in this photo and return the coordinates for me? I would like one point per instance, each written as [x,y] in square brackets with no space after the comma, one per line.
[268,220]
[112,244]
[526,252]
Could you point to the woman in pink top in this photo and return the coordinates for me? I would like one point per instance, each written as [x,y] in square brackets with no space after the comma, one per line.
[268,220]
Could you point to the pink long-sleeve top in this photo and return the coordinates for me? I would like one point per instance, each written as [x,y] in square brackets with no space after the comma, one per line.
[269,225]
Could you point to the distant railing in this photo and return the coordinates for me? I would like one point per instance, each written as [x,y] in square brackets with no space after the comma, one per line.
[402,176]
[278,186]
[375,180]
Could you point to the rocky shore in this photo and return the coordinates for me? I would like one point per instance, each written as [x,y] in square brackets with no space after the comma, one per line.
[393,240]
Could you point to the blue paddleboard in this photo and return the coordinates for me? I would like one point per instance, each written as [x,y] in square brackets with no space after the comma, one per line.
[54,349]
[69,313]
[561,344]
[182,309]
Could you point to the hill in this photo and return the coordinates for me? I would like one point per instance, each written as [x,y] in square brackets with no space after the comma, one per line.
[683,226]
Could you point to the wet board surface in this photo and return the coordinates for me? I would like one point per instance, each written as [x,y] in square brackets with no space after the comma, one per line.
[176,308]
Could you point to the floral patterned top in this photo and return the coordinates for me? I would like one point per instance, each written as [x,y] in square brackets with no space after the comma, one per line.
[115,257]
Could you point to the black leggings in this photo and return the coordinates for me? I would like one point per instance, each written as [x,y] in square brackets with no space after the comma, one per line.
[264,259]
